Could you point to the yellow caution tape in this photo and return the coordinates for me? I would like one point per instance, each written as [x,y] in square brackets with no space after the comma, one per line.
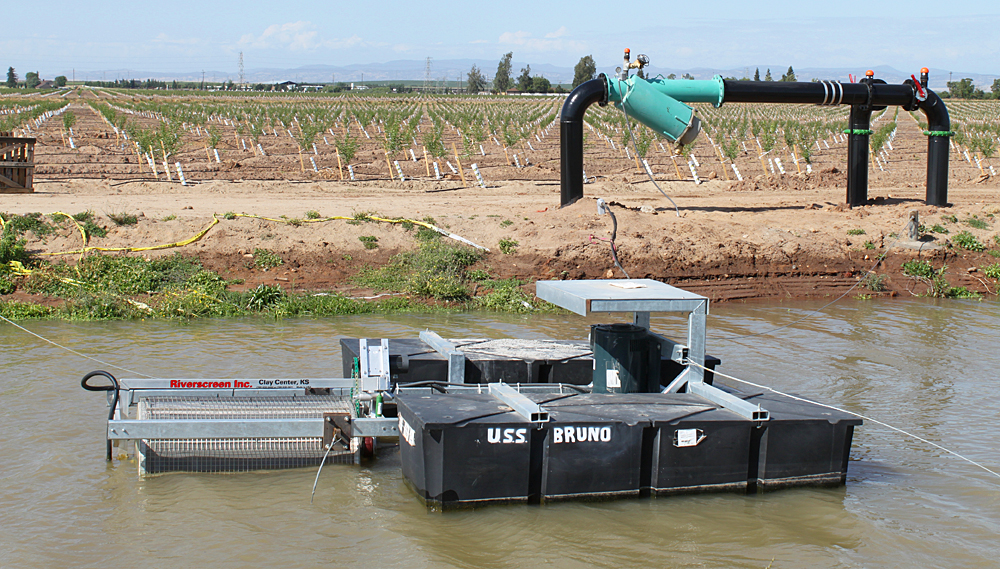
[188,241]
[20,270]
[430,226]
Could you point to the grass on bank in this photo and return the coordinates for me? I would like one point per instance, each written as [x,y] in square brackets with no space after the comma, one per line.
[435,276]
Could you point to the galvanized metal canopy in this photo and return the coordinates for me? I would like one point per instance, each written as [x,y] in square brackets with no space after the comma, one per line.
[618,295]
[642,297]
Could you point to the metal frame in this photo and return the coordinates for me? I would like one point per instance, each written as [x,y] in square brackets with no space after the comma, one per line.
[456,359]
[642,297]
[521,405]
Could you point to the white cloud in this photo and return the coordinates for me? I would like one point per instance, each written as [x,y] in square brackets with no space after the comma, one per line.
[558,33]
[165,39]
[296,36]
[553,41]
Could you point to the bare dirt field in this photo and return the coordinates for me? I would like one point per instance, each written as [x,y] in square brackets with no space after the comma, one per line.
[765,237]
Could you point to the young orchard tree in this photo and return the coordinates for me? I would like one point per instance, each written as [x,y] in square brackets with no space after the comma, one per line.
[476,81]
[963,89]
[524,80]
[584,71]
[502,82]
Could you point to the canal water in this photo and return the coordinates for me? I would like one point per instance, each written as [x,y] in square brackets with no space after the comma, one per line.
[929,367]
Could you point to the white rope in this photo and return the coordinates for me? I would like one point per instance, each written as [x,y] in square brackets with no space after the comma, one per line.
[860,416]
[104,363]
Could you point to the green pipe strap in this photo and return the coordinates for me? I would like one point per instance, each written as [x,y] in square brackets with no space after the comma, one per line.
[860,131]
[939,133]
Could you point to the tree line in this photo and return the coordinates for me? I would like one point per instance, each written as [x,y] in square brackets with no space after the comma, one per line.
[31,80]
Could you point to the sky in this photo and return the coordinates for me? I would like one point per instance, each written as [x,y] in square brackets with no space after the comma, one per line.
[56,37]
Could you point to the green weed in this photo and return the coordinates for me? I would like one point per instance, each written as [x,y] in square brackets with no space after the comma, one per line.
[313,214]
[874,282]
[436,270]
[968,241]
[170,217]
[992,271]
[977,223]
[266,259]
[123,218]
[369,241]
[508,246]
[856,231]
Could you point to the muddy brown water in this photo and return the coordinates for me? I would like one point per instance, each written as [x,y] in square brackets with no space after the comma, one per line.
[924,366]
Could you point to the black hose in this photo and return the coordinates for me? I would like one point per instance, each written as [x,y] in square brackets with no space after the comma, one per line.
[614,235]
[113,387]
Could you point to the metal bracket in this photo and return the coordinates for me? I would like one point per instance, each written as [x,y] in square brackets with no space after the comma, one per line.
[374,366]
[214,428]
[728,401]
[523,406]
[375,427]
[456,359]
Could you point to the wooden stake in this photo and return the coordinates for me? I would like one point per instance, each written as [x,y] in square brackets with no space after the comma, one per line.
[679,177]
[722,160]
[301,163]
[166,167]
[427,164]
[387,163]
[461,174]
[506,155]
[340,167]
[208,155]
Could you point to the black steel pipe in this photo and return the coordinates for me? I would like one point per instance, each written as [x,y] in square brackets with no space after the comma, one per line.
[939,126]
[859,125]
[571,136]
[863,98]
[819,93]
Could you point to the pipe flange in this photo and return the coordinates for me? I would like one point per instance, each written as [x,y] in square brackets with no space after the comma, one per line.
[871,93]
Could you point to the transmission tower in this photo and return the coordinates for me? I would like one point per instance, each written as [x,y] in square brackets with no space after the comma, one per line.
[241,70]
[427,74]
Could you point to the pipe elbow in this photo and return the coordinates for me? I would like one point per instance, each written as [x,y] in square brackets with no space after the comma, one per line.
[586,94]
[936,112]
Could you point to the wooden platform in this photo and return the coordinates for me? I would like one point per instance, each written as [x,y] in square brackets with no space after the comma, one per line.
[17,164]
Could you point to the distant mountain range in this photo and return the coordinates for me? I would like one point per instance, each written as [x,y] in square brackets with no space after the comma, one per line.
[456,69]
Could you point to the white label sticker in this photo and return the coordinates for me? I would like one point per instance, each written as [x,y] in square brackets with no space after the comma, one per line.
[407,433]
[613,381]
[687,438]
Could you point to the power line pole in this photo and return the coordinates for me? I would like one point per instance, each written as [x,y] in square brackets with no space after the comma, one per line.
[241,70]
[427,73]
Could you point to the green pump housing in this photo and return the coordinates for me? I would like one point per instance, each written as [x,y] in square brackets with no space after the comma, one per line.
[659,103]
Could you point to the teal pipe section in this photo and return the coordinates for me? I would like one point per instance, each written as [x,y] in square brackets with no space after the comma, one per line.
[657,103]
[684,90]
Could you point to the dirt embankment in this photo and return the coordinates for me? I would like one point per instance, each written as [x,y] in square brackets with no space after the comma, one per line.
[730,242]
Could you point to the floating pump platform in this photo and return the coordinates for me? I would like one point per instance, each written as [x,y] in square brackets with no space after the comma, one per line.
[478,421]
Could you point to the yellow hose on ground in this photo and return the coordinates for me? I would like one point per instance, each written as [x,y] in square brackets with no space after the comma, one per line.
[215,220]
[188,241]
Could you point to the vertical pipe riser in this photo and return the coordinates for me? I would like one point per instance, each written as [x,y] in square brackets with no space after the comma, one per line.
[857,156]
